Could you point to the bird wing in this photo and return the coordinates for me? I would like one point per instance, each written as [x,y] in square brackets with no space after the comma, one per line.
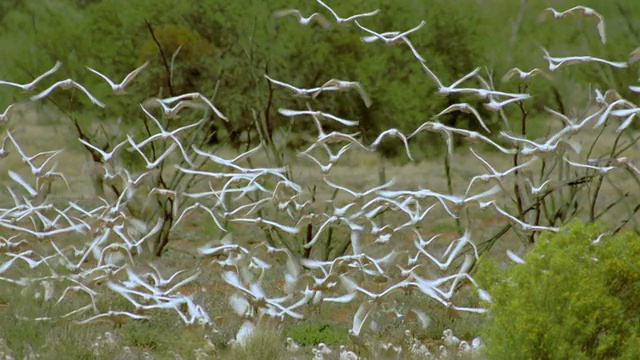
[133,74]
[286,12]
[357,16]
[91,97]
[102,76]
[47,73]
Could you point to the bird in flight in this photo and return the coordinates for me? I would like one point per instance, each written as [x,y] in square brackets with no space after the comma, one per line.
[317,17]
[580,10]
[119,89]
[32,85]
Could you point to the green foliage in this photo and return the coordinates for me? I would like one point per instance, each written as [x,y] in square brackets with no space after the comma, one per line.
[144,335]
[573,299]
[311,334]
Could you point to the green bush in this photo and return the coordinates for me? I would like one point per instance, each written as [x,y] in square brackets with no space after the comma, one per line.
[572,299]
[311,334]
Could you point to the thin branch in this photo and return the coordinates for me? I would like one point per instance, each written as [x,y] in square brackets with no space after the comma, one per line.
[162,56]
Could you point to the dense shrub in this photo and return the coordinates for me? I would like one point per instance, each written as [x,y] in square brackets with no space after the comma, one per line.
[574,298]
[314,333]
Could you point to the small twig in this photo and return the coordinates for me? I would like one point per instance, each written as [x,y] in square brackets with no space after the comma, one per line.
[447,172]
[610,206]
[594,199]
[625,221]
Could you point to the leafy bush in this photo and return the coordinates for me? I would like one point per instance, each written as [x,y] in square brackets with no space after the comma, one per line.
[573,298]
[311,334]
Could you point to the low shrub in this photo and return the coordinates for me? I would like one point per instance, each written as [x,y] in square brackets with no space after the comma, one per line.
[311,334]
[576,297]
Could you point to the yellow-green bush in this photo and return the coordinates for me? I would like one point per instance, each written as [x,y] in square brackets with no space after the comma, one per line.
[574,298]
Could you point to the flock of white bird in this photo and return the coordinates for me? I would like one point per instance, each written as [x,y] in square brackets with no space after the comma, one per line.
[102,256]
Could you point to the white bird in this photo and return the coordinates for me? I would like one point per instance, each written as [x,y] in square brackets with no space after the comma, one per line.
[377,297]
[229,163]
[472,136]
[118,318]
[317,17]
[3,149]
[195,96]
[260,221]
[345,21]
[467,109]
[119,89]
[298,91]
[292,346]
[360,318]
[553,144]
[158,160]
[168,135]
[333,137]
[478,347]
[193,207]
[449,340]
[634,56]
[495,105]
[556,62]
[67,85]
[464,351]
[495,175]
[419,244]
[600,169]
[323,168]
[342,85]
[333,158]
[32,85]
[515,258]
[17,178]
[392,132]
[347,354]
[582,10]
[610,109]
[5,115]
[537,189]
[49,176]
[324,349]
[523,75]
[393,37]
[317,355]
[245,332]
[106,156]
[359,195]
[523,225]
[172,111]
[35,170]
[291,113]
[453,88]
[389,37]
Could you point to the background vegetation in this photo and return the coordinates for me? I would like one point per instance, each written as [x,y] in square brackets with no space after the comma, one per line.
[227,46]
